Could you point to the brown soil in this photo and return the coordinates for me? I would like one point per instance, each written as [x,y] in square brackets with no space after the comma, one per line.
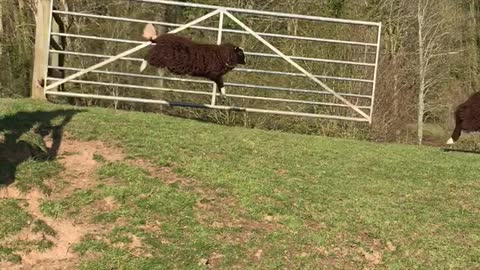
[78,160]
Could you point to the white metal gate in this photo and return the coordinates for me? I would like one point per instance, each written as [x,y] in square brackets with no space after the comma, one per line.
[359,105]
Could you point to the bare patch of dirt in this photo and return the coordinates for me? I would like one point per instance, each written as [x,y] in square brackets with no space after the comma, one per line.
[239,238]
[215,260]
[164,174]
[258,254]
[105,205]
[136,243]
[390,247]
[371,257]
[212,262]
[66,264]
[215,211]
[80,161]
[59,256]
[345,254]
[281,172]
[135,247]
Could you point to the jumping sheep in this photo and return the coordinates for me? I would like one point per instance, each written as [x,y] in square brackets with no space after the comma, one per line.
[183,56]
[467,117]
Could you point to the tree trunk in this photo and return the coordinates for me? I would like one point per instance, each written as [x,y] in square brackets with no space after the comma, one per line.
[421,112]
[421,60]
[473,44]
[396,91]
[394,27]
[1,30]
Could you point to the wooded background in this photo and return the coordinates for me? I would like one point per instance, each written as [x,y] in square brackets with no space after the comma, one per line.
[429,58]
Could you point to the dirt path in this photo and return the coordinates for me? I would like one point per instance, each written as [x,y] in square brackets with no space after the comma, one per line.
[79,162]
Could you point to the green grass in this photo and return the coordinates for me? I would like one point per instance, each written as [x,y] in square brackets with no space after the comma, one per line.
[8,255]
[51,209]
[306,202]
[33,173]
[14,218]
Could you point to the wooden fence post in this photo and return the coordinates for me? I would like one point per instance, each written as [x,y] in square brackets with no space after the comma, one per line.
[42,38]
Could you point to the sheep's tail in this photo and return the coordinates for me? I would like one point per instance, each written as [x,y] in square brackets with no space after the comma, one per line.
[149,32]
[143,66]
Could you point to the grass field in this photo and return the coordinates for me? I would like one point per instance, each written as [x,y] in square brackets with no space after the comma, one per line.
[118,190]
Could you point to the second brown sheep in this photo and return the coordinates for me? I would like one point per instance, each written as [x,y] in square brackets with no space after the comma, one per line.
[467,117]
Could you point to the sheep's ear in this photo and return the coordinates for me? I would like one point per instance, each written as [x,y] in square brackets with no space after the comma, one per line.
[149,32]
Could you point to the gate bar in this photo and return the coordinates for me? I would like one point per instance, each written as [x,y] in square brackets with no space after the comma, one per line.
[132,86]
[289,60]
[128,52]
[332,61]
[255,86]
[250,70]
[204,106]
[374,86]
[259,12]
[233,31]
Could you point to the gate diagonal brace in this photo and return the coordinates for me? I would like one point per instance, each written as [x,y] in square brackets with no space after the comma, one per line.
[128,52]
[297,66]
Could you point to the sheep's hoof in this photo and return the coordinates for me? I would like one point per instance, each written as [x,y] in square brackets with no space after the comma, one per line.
[143,66]
[222,91]
[450,141]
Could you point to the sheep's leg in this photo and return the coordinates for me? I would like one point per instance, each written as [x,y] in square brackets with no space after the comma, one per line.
[457,131]
[220,86]
[143,65]
[455,135]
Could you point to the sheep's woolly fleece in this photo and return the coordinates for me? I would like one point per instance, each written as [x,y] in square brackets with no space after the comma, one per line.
[183,56]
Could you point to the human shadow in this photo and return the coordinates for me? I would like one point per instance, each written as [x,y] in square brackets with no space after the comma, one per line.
[22,137]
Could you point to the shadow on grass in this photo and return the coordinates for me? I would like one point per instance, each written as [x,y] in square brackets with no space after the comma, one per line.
[22,137]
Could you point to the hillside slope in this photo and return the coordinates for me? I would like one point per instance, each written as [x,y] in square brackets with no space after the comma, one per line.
[150,190]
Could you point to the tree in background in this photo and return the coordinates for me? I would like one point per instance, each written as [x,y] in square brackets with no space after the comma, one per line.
[429,58]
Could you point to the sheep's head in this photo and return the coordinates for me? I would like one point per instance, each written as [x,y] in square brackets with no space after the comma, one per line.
[241,59]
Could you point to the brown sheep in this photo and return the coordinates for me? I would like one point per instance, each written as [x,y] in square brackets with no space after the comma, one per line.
[183,56]
[467,117]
